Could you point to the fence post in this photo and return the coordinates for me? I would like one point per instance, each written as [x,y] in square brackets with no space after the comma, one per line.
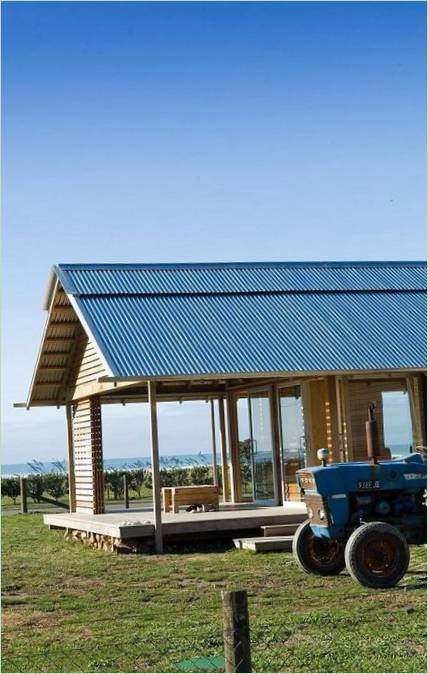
[23,492]
[125,491]
[236,632]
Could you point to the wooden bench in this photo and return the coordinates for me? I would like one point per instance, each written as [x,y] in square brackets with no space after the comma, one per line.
[202,494]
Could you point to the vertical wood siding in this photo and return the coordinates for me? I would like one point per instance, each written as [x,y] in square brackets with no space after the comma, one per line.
[88,456]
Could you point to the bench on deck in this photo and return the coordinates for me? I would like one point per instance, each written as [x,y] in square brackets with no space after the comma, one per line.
[201,494]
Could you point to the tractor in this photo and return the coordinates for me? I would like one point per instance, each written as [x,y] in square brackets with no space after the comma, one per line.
[362,515]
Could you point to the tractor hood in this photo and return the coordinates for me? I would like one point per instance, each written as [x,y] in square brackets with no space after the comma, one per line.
[409,472]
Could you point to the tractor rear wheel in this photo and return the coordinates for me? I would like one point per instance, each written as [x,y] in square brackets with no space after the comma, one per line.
[319,555]
[377,555]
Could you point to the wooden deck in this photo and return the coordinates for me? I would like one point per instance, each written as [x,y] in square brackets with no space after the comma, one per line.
[133,524]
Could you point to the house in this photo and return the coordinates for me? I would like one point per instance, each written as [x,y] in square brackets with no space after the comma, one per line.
[292,353]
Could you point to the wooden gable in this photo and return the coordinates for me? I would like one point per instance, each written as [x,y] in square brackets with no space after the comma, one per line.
[69,363]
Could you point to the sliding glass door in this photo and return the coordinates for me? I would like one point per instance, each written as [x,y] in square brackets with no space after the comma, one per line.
[293,441]
[256,463]
[262,448]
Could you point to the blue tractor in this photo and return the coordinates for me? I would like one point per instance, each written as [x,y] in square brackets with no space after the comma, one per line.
[362,515]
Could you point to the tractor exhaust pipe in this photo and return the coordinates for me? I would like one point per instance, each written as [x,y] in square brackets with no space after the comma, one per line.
[371,434]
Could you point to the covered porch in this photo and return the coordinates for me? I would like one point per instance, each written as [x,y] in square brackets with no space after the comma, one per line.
[288,356]
[262,432]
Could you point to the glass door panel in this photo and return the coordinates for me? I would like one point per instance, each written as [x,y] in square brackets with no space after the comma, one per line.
[244,449]
[292,437]
[262,448]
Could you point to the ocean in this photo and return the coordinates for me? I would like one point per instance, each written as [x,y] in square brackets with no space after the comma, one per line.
[168,461]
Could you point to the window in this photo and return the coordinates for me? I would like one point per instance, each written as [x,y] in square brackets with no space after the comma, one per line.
[397,423]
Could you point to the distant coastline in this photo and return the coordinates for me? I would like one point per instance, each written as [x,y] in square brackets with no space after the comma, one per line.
[166,462]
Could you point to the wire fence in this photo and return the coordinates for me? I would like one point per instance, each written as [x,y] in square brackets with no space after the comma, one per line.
[128,643]
[148,652]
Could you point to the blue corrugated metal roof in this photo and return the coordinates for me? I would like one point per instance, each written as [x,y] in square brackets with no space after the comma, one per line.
[173,320]
[241,277]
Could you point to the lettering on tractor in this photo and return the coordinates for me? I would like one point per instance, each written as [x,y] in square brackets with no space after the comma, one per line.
[362,515]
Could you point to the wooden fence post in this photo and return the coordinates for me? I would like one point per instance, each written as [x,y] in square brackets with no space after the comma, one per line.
[236,632]
[23,491]
[125,491]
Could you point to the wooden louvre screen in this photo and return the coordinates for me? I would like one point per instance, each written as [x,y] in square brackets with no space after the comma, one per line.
[88,456]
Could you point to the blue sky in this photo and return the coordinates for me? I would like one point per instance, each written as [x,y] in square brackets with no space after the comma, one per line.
[199,131]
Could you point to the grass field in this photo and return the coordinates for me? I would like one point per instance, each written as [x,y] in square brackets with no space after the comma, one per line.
[68,608]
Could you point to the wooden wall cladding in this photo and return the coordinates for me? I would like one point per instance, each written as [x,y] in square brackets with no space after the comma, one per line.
[87,365]
[88,456]
[322,420]
[361,394]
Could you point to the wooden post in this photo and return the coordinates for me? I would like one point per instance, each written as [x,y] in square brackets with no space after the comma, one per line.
[224,467]
[234,448]
[332,420]
[276,446]
[347,428]
[71,472]
[236,632]
[156,488]
[125,492]
[23,490]
[214,444]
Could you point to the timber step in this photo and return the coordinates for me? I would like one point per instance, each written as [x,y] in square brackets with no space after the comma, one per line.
[279,529]
[265,543]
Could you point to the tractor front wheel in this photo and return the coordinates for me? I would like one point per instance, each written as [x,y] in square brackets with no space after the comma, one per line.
[377,555]
[320,555]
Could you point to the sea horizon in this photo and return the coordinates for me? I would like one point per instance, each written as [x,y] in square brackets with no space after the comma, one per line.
[35,466]
[167,461]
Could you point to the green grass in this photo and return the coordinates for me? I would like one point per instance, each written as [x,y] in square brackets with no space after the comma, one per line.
[69,608]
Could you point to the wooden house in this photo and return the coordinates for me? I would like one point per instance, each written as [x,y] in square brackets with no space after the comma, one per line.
[291,354]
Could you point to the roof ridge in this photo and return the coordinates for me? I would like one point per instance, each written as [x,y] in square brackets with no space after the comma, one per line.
[296,264]
[231,293]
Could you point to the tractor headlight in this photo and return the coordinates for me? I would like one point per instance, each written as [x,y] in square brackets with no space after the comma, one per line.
[310,513]
[321,513]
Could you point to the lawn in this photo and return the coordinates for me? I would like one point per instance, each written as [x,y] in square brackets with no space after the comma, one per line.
[68,608]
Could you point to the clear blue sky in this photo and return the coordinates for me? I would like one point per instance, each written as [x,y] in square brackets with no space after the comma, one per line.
[199,131]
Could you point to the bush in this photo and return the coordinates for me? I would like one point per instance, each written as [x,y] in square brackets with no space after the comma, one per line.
[114,480]
[181,476]
[200,475]
[36,486]
[148,483]
[167,478]
[136,480]
[10,487]
[55,484]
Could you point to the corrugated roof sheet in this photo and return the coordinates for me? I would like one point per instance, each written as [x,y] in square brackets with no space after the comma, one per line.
[241,277]
[172,320]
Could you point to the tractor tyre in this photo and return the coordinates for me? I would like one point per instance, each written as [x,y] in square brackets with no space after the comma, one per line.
[377,555]
[322,556]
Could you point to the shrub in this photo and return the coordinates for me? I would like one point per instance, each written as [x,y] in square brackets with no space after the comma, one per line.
[10,487]
[181,476]
[166,478]
[54,484]
[36,486]
[114,480]
[148,483]
[200,475]
[136,480]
